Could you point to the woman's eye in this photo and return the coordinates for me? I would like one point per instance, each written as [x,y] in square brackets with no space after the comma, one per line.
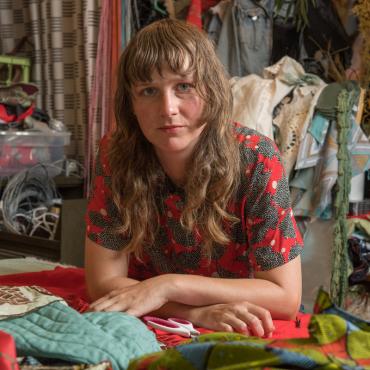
[148,91]
[184,87]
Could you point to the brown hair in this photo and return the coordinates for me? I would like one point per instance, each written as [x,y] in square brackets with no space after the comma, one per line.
[213,176]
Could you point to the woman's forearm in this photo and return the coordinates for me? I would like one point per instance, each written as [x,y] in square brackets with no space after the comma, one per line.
[195,290]
[100,288]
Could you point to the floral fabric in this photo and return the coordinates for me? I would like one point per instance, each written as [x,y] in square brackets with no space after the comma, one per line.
[337,341]
[266,236]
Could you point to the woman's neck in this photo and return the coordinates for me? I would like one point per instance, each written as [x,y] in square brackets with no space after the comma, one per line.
[175,167]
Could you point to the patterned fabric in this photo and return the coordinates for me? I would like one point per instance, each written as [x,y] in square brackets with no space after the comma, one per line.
[337,341]
[57,331]
[62,42]
[317,165]
[17,301]
[266,236]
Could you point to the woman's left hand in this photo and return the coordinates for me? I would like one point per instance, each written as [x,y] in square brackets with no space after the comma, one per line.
[137,300]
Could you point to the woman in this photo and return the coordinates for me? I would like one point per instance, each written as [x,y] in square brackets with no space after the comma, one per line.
[190,214]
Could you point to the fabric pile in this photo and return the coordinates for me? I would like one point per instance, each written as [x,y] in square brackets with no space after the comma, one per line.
[337,341]
[44,326]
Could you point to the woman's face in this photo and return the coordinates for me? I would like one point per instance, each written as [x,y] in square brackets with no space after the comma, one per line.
[169,111]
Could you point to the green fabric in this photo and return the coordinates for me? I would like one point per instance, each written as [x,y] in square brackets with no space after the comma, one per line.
[60,332]
[340,265]
[319,128]
[328,101]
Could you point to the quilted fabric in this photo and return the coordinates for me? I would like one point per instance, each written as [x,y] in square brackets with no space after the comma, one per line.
[58,331]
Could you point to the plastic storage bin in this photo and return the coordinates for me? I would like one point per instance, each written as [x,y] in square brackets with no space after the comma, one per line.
[23,149]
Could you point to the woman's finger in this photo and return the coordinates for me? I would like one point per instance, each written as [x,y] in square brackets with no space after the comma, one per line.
[264,317]
[255,325]
[222,326]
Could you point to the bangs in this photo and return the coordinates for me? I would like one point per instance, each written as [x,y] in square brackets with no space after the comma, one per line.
[153,51]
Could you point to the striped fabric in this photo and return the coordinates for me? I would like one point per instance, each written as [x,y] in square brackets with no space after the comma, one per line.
[62,46]
[101,118]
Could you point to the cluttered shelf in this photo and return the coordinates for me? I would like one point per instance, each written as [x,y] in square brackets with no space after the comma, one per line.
[66,244]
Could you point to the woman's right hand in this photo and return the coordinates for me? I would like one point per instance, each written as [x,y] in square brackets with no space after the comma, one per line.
[242,317]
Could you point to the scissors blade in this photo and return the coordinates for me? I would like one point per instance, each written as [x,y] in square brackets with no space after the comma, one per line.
[186,324]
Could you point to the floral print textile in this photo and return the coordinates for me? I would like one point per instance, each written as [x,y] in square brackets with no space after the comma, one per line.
[266,236]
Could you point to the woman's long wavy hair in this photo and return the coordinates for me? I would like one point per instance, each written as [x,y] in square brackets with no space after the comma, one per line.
[213,172]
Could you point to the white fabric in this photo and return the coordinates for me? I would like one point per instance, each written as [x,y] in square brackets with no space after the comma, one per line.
[256,97]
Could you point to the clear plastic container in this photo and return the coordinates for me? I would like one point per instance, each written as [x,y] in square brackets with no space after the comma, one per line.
[23,149]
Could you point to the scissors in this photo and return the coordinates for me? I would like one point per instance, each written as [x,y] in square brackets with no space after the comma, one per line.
[172,325]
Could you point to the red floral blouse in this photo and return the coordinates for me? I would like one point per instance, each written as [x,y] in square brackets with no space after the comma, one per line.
[266,236]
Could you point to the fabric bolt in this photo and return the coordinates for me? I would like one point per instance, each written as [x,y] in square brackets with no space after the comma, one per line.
[337,341]
[255,97]
[245,38]
[266,236]
[57,331]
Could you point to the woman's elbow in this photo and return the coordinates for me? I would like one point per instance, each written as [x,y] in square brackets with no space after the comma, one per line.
[290,308]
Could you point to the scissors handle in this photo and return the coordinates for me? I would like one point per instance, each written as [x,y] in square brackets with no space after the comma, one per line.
[185,323]
[168,326]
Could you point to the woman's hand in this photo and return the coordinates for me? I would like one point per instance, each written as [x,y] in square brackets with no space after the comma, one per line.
[242,317]
[137,299]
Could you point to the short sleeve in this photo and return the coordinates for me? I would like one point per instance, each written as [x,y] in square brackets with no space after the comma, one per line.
[102,216]
[272,232]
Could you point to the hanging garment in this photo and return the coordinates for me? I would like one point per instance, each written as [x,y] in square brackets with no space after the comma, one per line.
[286,37]
[244,41]
[317,164]
[294,117]
[255,97]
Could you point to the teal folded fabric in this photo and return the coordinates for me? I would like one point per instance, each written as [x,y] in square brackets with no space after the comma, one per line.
[60,332]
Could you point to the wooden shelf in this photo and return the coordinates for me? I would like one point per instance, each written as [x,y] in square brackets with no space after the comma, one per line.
[14,245]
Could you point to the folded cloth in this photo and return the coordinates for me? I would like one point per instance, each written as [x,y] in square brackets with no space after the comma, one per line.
[57,331]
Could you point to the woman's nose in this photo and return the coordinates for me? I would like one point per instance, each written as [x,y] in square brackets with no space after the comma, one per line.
[169,105]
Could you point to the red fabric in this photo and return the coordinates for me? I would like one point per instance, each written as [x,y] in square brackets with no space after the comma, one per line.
[197,7]
[195,13]
[69,283]
[8,360]
[283,330]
